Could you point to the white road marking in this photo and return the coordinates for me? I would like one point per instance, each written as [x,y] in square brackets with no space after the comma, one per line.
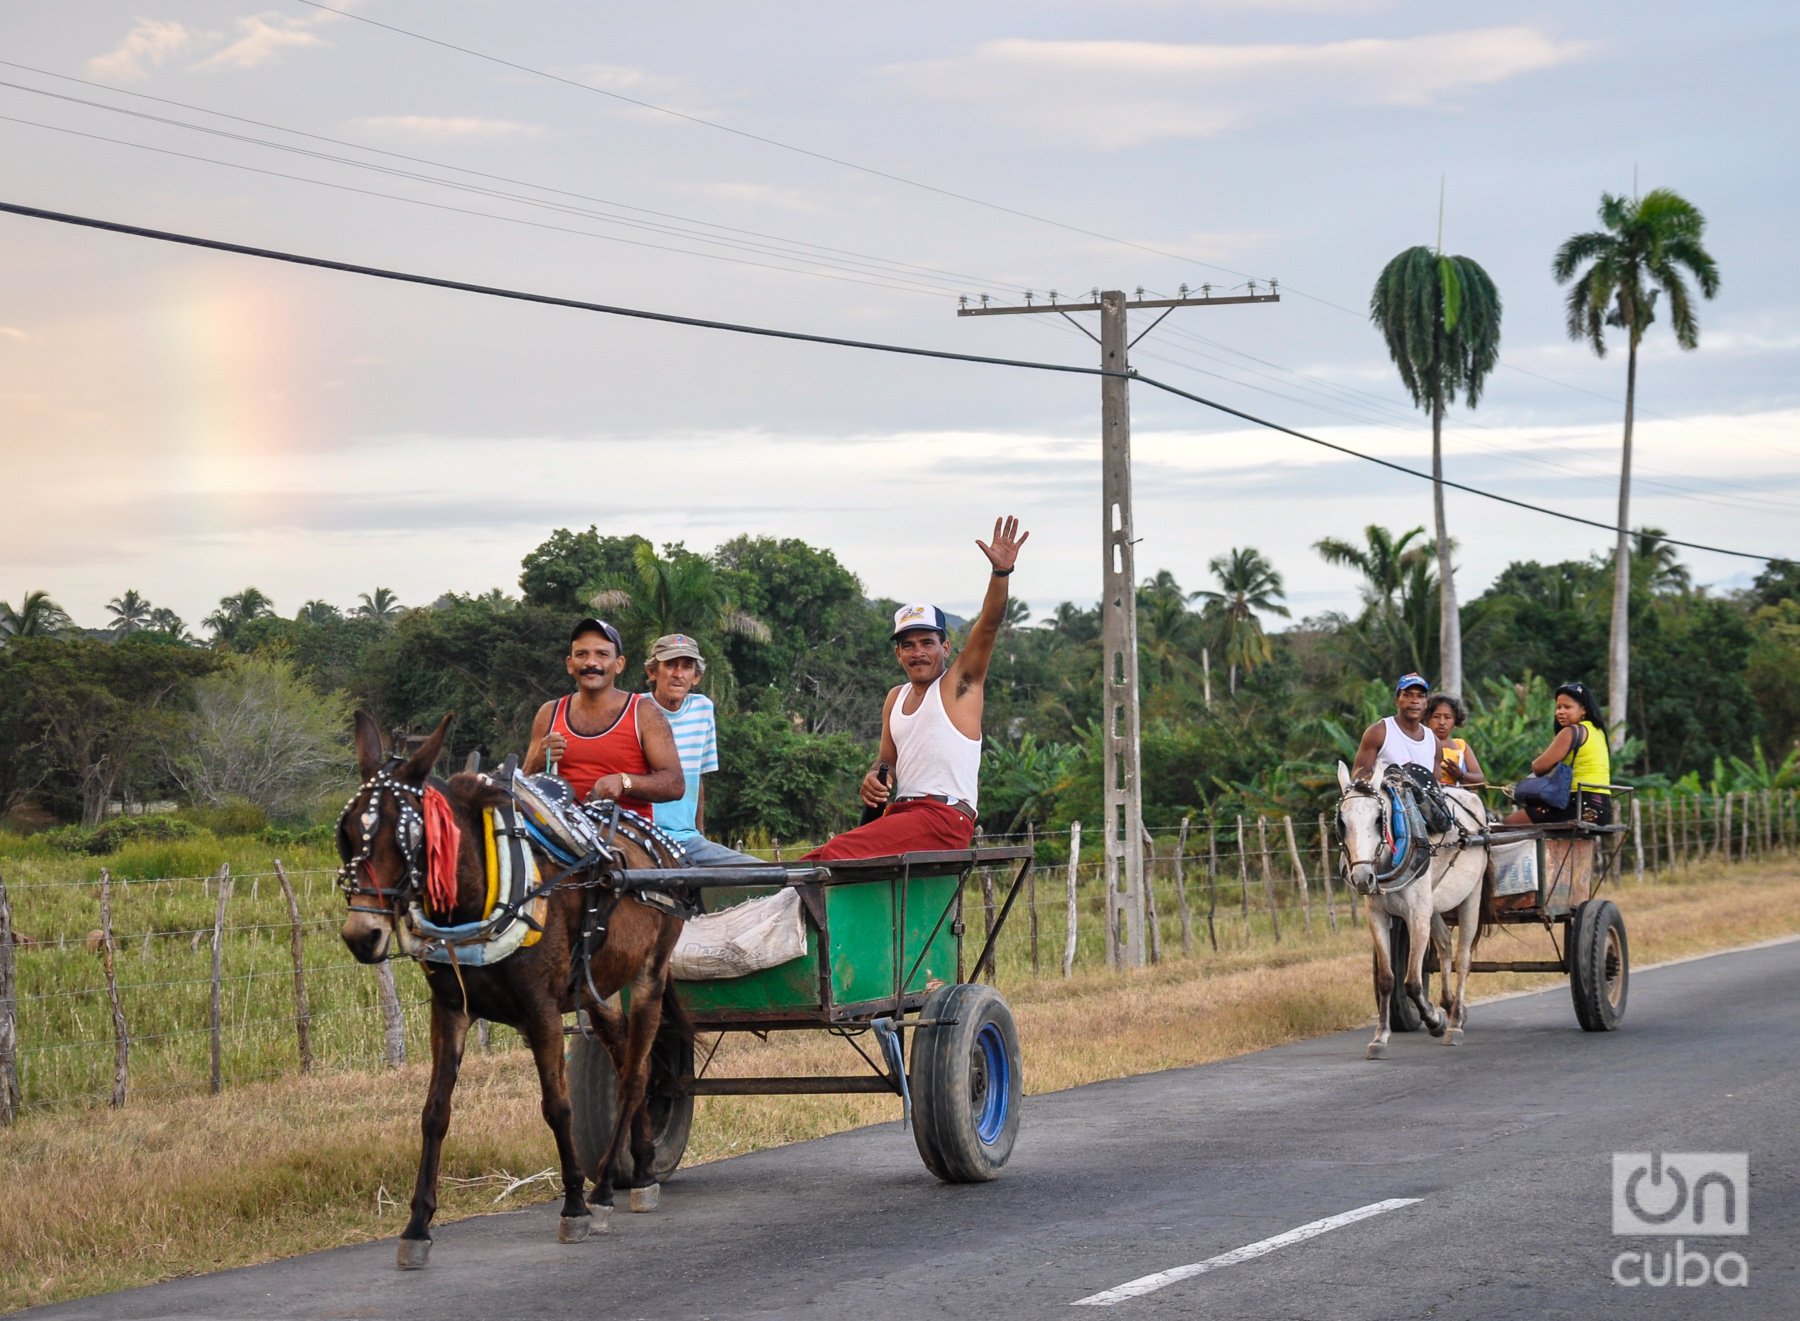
[1162,1279]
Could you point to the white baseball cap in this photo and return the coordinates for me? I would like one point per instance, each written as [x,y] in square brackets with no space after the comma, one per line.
[909,618]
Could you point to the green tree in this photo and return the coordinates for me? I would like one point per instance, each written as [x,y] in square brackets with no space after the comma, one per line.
[381,605]
[318,612]
[1247,584]
[1440,317]
[679,592]
[166,622]
[781,780]
[1657,564]
[237,610]
[1399,617]
[130,613]
[1641,251]
[563,572]
[37,616]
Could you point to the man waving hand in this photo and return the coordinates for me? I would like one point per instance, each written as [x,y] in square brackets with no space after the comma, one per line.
[931,724]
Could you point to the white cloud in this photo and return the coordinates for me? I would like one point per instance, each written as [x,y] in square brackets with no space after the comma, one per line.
[145,47]
[448,126]
[1115,94]
[265,37]
[19,336]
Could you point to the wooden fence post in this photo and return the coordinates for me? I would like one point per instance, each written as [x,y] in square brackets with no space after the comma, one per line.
[1768,824]
[214,1015]
[9,1019]
[393,1017]
[1680,810]
[1670,860]
[1325,873]
[1745,811]
[121,1038]
[1154,927]
[1181,899]
[1074,861]
[1212,881]
[1244,878]
[1262,845]
[1031,894]
[302,1013]
[1637,836]
[1723,825]
[1287,824]
[987,906]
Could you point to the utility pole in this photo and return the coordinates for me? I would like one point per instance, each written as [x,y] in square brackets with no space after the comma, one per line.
[1124,800]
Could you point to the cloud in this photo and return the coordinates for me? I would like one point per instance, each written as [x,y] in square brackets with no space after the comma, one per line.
[146,46]
[265,37]
[1109,95]
[448,126]
[19,336]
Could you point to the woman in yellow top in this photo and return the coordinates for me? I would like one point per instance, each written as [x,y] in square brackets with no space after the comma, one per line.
[1444,714]
[1581,741]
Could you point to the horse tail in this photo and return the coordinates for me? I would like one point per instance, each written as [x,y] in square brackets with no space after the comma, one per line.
[674,1013]
[1490,913]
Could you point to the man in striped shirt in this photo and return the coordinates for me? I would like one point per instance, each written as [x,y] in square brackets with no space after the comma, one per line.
[673,669]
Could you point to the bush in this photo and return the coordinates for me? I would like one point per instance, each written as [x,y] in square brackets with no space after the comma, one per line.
[121,832]
[312,837]
[234,817]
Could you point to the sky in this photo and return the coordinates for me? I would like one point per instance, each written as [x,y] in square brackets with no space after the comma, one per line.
[186,423]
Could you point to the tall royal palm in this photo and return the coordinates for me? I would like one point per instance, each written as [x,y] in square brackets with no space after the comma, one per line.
[1646,243]
[1441,319]
[1247,584]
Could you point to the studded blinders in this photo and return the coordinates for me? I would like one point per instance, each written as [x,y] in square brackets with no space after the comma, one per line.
[355,876]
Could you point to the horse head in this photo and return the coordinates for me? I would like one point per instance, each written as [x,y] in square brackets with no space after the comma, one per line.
[1362,830]
[381,838]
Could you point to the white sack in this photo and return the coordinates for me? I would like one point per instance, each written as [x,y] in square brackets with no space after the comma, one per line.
[751,936]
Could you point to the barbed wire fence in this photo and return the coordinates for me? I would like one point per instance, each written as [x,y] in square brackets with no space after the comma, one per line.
[195,983]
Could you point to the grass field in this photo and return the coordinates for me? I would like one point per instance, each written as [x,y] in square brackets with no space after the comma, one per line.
[99,1199]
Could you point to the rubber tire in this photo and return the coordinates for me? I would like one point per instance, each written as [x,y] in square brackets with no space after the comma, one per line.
[1403,1014]
[1593,931]
[963,1123]
[594,1102]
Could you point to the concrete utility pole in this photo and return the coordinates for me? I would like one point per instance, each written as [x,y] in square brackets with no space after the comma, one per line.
[1124,825]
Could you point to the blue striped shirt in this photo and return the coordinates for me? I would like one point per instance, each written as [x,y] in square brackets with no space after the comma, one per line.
[697,745]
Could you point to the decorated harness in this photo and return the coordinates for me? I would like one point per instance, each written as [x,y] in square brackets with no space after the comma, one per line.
[1413,809]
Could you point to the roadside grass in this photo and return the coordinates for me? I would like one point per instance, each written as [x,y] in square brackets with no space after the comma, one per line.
[98,1199]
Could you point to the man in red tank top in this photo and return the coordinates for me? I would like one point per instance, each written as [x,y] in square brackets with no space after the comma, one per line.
[605,743]
[931,725]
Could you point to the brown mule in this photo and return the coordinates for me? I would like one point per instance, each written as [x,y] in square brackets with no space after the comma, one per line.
[381,837]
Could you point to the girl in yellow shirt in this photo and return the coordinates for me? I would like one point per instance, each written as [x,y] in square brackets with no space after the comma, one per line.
[1581,741]
[1445,714]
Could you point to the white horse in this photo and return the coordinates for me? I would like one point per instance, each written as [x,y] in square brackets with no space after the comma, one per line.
[1406,872]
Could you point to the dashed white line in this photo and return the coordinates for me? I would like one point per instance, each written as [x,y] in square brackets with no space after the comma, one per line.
[1162,1279]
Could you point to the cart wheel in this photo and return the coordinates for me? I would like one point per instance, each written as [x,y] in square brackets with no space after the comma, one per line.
[1403,1014]
[966,1080]
[1599,965]
[594,1100]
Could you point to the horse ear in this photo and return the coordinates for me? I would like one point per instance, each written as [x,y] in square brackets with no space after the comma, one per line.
[421,762]
[1343,778]
[368,744]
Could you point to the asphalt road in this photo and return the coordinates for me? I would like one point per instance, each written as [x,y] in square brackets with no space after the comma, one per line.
[1505,1142]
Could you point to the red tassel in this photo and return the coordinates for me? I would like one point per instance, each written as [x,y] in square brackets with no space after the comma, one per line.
[443,842]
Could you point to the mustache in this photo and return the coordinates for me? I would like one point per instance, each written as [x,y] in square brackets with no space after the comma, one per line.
[591,670]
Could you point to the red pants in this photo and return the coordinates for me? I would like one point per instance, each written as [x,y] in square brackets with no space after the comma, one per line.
[915,826]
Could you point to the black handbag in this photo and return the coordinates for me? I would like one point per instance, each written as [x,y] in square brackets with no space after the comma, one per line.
[1552,790]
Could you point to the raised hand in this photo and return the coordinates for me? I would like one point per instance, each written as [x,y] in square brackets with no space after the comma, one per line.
[1003,553]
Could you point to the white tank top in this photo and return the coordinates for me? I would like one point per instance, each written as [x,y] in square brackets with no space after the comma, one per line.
[933,756]
[1399,750]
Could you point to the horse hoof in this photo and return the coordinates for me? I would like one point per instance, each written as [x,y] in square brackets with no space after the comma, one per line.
[573,1229]
[1436,1029]
[1453,1037]
[645,1198]
[414,1253]
[602,1218]
[1377,1050]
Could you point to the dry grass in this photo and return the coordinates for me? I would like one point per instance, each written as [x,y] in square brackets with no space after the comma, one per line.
[99,1200]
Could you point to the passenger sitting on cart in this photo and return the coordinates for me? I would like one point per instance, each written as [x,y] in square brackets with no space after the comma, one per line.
[931,725]
[674,669]
[1581,741]
[1445,714]
[605,743]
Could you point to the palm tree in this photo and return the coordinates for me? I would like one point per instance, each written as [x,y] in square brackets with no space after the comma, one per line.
[1247,583]
[1656,564]
[382,606]
[1441,319]
[1639,254]
[1169,634]
[130,613]
[237,610]
[317,611]
[1396,624]
[164,620]
[1383,559]
[678,593]
[37,617]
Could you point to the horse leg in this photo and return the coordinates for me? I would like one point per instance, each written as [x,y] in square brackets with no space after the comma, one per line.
[634,1084]
[544,1032]
[449,1030]
[1384,980]
[608,1025]
[1418,930]
[1468,931]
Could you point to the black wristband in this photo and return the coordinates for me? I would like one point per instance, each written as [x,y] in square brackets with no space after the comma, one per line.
[1002,573]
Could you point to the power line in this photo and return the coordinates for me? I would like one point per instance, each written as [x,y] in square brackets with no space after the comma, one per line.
[804,337]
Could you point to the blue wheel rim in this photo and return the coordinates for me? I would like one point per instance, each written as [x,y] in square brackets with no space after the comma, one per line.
[990,1083]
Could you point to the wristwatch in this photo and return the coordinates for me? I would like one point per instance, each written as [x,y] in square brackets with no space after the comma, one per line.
[624,782]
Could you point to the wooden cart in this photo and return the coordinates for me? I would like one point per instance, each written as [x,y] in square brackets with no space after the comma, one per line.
[883,971]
